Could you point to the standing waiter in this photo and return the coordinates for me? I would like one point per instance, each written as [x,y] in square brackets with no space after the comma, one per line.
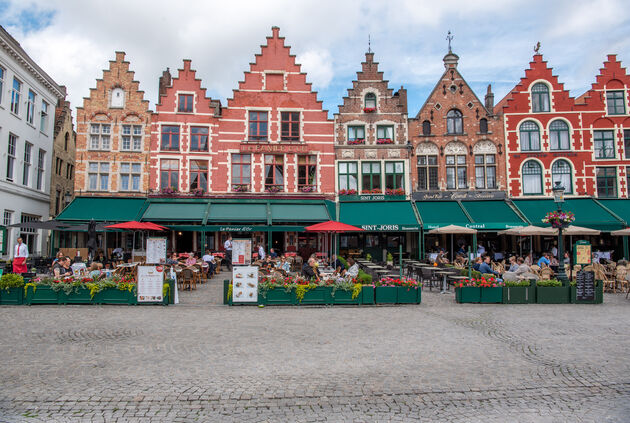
[19,257]
[228,252]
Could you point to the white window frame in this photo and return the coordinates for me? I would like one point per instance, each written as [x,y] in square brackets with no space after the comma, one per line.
[98,173]
[134,138]
[130,175]
[101,136]
[30,106]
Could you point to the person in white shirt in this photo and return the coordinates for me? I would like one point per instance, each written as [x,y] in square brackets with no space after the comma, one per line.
[227,246]
[353,270]
[481,250]
[261,252]
[20,254]
[208,258]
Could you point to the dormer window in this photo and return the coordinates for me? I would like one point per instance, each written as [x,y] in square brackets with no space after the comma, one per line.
[454,122]
[615,102]
[540,98]
[118,98]
[370,103]
[185,103]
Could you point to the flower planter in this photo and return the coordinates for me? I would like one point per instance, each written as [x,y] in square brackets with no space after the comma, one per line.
[367,294]
[491,295]
[519,294]
[115,296]
[344,297]
[599,295]
[41,295]
[277,296]
[226,289]
[408,295]
[12,296]
[386,294]
[468,294]
[552,294]
[80,296]
[319,295]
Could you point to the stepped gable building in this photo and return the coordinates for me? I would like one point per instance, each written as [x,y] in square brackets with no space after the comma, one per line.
[371,135]
[274,136]
[184,130]
[605,118]
[457,141]
[113,136]
[64,156]
[543,136]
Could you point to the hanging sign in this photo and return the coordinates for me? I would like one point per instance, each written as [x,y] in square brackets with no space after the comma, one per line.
[241,252]
[244,284]
[156,251]
[150,284]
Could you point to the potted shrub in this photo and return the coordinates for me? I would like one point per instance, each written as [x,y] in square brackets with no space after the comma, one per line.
[11,289]
[519,292]
[390,259]
[368,257]
[551,292]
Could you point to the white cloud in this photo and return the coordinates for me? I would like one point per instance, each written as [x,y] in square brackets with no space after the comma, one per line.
[73,40]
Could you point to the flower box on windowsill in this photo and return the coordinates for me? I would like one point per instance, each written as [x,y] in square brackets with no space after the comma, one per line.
[384,141]
[356,141]
[369,109]
[240,188]
[372,192]
[273,189]
[398,192]
[348,192]
[308,188]
[168,192]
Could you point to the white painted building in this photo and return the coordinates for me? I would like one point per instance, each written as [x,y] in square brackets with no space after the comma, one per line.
[27,117]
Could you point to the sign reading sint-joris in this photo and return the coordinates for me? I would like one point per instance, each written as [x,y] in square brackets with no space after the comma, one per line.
[387,228]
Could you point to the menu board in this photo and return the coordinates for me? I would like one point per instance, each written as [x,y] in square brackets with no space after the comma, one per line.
[582,253]
[585,286]
[241,252]
[245,284]
[156,251]
[150,281]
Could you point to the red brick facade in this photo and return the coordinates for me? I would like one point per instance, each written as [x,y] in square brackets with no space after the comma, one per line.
[551,136]
[113,133]
[371,128]
[252,131]
[457,140]
[184,131]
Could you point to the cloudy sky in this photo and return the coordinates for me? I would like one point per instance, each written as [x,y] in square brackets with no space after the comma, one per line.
[74,39]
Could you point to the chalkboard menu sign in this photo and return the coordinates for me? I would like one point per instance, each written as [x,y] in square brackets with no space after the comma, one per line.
[585,286]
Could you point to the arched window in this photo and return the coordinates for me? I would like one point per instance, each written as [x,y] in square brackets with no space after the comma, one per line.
[454,122]
[540,98]
[532,178]
[561,171]
[530,136]
[370,101]
[559,135]
[426,128]
[483,125]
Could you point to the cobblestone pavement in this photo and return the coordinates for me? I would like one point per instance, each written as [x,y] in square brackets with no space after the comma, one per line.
[202,361]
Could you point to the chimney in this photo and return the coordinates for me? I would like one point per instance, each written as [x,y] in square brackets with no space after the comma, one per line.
[165,82]
[489,99]
[402,99]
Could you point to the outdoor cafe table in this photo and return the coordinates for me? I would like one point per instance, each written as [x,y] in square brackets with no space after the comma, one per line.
[444,274]
[457,278]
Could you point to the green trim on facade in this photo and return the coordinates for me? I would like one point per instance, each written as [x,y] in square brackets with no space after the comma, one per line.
[491,215]
[436,214]
[385,216]
[102,209]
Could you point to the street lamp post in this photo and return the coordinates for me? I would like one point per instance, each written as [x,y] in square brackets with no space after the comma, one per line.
[558,198]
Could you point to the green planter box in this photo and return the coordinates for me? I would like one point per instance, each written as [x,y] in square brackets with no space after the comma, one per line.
[468,294]
[552,294]
[317,296]
[12,296]
[81,296]
[599,295]
[386,294]
[491,295]
[408,295]
[115,296]
[344,297]
[277,296]
[41,295]
[367,294]
[226,288]
[519,294]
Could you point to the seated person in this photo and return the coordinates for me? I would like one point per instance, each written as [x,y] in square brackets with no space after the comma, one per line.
[208,259]
[522,272]
[100,259]
[485,267]
[94,271]
[338,265]
[272,253]
[118,254]
[513,264]
[283,264]
[477,264]
[353,270]
[56,260]
[441,258]
[191,260]
[310,270]
[544,260]
[172,259]
[62,268]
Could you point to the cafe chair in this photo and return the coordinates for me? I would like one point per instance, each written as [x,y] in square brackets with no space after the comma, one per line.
[188,278]
[621,273]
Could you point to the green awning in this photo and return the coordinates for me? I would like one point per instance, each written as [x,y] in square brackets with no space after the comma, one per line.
[435,214]
[587,213]
[620,207]
[237,212]
[102,209]
[299,213]
[172,212]
[379,216]
[492,215]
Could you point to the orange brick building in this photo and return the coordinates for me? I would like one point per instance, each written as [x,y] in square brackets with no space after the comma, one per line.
[113,133]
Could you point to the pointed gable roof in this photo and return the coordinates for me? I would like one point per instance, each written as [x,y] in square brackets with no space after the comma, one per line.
[611,76]
[185,80]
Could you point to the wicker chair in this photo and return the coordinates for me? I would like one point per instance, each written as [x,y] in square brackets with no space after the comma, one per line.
[621,272]
[187,277]
[610,284]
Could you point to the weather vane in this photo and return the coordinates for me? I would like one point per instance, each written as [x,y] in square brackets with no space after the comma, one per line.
[369,44]
[449,37]
[537,47]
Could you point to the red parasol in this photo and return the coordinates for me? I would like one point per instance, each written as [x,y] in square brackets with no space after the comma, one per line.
[332,226]
[137,226]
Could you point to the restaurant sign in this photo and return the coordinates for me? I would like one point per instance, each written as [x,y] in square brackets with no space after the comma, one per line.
[486,226]
[249,147]
[389,228]
[458,195]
